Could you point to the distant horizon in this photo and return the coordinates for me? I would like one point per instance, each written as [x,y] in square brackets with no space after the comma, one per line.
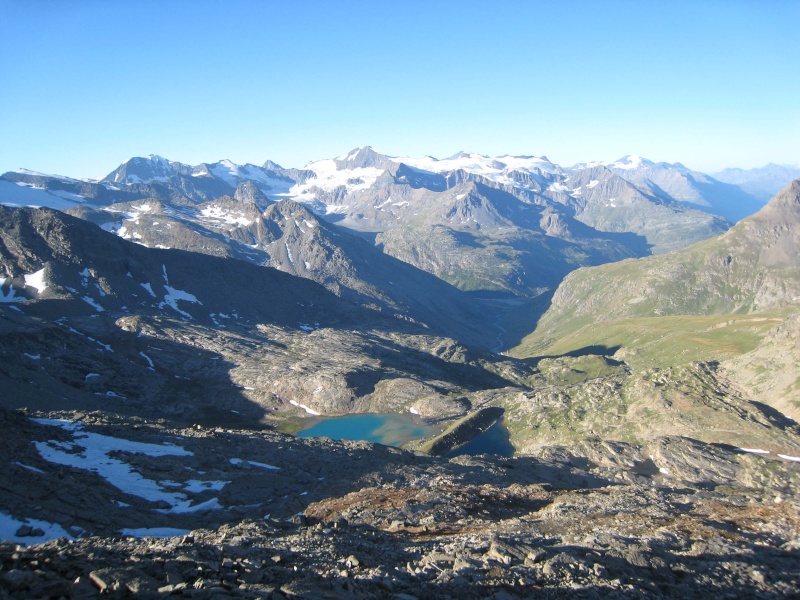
[712,84]
[389,155]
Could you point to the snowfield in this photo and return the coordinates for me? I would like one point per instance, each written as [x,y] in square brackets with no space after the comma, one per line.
[92,452]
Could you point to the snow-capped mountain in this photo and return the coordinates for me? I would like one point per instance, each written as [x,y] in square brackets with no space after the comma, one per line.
[147,170]
[509,224]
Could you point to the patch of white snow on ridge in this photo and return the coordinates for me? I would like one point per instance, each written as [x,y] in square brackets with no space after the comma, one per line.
[172,296]
[149,289]
[16,195]
[216,212]
[147,358]
[753,450]
[9,527]
[498,169]
[30,468]
[592,184]
[11,296]
[227,171]
[36,281]
[310,411]
[90,301]
[92,452]
[239,461]
[792,458]
[557,186]
[628,163]
[328,178]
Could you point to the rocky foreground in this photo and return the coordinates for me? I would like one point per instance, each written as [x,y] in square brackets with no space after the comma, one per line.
[256,514]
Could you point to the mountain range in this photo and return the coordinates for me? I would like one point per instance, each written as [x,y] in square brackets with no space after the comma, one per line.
[509,227]
[164,329]
[458,256]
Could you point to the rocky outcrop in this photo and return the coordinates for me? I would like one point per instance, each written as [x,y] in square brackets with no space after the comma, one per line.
[462,431]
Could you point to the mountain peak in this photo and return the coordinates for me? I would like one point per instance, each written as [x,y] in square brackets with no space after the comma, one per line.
[145,169]
[271,166]
[363,157]
[785,205]
[631,161]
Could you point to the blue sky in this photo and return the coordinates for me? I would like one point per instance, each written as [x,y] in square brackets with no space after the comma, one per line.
[87,84]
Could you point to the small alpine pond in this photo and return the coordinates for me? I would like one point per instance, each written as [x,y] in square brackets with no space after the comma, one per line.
[397,429]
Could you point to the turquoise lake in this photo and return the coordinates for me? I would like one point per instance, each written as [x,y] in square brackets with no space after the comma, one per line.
[397,429]
[389,429]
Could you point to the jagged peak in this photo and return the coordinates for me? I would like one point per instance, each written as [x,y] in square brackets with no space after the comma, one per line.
[271,166]
[363,157]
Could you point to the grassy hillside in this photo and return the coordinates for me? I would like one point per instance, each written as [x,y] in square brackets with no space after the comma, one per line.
[753,268]
[701,342]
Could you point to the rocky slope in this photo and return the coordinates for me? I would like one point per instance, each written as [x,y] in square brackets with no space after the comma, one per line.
[89,318]
[288,237]
[234,513]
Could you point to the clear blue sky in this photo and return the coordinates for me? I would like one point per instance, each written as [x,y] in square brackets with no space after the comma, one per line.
[87,84]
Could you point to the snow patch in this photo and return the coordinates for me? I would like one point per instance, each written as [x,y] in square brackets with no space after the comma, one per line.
[90,301]
[34,469]
[16,195]
[239,461]
[147,358]
[304,407]
[92,452]
[36,281]
[12,293]
[50,531]
[218,213]
[172,296]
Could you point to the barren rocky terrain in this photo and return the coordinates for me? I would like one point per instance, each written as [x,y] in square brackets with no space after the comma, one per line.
[292,518]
